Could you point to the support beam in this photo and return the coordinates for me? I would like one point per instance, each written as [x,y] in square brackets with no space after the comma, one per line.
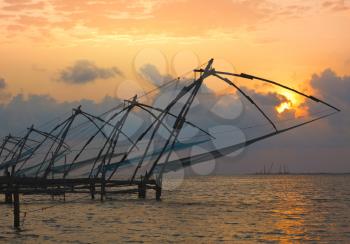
[8,198]
[142,190]
[92,190]
[8,193]
[103,189]
[158,192]
[16,209]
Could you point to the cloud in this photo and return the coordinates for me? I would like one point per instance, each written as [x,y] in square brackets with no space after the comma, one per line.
[150,73]
[335,5]
[4,96]
[170,18]
[269,99]
[85,71]
[335,89]
[329,84]
[151,21]
[21,112]
[2,83]
[24,5]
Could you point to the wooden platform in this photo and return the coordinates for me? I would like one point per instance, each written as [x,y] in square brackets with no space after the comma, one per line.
[12,187]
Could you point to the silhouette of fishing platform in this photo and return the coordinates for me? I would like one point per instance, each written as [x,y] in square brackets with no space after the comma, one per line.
[283,170]
[107,160]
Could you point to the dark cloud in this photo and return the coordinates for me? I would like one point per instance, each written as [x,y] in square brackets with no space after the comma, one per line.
[4,96]
[150,73]
[328,84]
[2,83]
[85,71]
[21,112]
[335,89]
[269,99]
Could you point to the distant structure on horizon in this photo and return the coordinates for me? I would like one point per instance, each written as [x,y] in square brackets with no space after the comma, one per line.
[282,170]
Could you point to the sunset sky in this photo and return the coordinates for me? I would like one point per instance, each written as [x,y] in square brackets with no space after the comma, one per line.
[45,44]
[284,40]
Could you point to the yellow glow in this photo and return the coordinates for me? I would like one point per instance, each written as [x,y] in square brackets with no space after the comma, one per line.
[291,103]
[293,98]
[294,101]
[283,107]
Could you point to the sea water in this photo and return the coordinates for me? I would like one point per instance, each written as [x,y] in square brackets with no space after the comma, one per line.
[213,209]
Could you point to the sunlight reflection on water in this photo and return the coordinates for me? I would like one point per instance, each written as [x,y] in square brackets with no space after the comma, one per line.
[204,209]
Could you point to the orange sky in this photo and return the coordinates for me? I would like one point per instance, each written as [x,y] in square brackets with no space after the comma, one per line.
[283,40]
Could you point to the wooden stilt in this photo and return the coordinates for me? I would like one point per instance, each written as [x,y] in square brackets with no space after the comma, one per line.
[92,190]
[158,192]
[8,194]
[142,190]
[16,209]
[103,189]
[8,198]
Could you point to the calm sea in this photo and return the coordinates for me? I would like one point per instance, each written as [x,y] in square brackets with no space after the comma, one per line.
[236,209]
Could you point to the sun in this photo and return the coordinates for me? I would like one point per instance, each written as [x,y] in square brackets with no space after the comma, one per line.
[283,107]
[292,102]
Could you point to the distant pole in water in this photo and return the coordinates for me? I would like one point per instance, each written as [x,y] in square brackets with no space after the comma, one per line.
[92,190]
[103,186]
[16,209]
[8,194]
[142,188]
[270,169]
[158,192]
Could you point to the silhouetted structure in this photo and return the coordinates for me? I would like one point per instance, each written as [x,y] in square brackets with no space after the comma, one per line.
[43,162]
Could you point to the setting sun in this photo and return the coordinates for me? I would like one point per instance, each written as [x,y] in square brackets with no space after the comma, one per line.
[283,107]
[292,102]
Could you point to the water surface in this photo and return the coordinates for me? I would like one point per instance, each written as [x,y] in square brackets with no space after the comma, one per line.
[240,209]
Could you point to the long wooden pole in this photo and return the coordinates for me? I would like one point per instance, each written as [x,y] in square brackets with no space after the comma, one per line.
[16,209]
